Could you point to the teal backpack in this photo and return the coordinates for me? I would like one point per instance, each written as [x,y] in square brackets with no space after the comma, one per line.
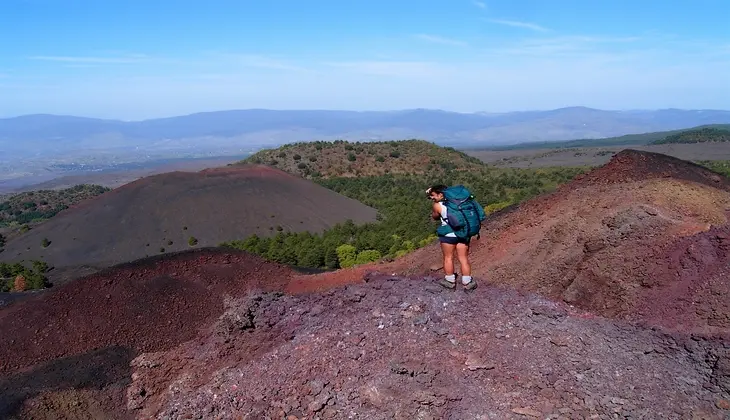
[464,214]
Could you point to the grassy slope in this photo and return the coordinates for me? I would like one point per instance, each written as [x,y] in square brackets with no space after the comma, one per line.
[629,139]
[345,159]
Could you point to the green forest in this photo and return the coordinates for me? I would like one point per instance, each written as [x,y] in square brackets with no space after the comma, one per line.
[702,135]
[403,223]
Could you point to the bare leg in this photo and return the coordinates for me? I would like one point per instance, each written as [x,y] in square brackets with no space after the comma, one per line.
[462,252]
[449,280]
[448,251]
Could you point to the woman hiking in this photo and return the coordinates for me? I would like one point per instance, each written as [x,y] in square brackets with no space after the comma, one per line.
[450,242]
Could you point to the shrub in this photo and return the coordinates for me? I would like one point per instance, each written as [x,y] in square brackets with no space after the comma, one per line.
[169,242]
[313,158]
[351,157]
[302,166]
[395,154]
[496,206]
[2,240]
[282,155]
[346,255]
[369,255]
[192,241]
[19,284]
[297,157]
[45,243]
[380,159]
[162,249]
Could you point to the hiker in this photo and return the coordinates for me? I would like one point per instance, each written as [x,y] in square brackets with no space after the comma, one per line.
[461,218]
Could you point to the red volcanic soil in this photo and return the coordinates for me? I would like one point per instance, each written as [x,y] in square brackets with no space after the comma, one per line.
[159,212]
[97,324]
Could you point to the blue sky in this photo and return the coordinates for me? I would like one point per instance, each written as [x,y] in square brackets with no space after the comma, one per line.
[135,59]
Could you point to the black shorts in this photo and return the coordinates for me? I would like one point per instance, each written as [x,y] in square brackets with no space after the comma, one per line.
[453,240]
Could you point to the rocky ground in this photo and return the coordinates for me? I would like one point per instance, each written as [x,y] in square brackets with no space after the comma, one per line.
[408,349]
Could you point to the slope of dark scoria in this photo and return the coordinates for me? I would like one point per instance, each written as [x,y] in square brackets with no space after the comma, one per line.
[643,237]
[398,348]
[82,332]
[161,213]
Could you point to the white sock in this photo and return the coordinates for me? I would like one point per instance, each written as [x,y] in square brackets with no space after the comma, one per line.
[465,279]
[451,278]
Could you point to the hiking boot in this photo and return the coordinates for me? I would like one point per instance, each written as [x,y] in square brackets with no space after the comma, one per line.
[447,284]
[471,285]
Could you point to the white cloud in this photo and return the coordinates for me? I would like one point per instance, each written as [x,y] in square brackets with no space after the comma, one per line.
[519,24]
[402,69]
[569,46]
[135,58]
[257,61]
[479,4]
[440,40]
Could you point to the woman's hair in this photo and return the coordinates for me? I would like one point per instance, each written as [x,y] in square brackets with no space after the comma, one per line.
[438,189]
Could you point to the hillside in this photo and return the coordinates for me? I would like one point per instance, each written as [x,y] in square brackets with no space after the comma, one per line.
[35,206]
[625,140]
[700,135]
[180,210]
[347,159]
[637,238]
[612,288]
[394,186]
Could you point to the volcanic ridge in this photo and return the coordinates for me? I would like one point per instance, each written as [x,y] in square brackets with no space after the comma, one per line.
[605,299]
[174,211]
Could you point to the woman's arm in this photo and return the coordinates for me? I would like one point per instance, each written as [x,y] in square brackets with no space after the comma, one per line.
[436,211]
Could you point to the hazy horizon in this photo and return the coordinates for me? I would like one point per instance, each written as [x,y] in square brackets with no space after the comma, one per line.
[211,111]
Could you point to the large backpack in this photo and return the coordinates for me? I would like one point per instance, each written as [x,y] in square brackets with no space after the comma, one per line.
[464,213]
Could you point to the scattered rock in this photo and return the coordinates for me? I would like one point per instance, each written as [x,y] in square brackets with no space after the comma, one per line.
[476,363]
[526,412]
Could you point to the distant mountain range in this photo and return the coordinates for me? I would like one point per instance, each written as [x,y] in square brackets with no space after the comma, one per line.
[47,134]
